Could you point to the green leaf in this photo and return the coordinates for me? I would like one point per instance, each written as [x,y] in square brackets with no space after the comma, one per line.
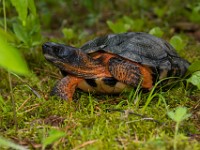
[177,42]
[7,143]
[156,32]
[22,9]
[134,25]
[54,135]
[195,79]
[195,66]
[179,114]
[33,31]
[128,20]
[7,35]
[194,15]
[89,4]
[11,59]
[21,33]
[31,6]
[68,33]
[118,27]
[160,12]
[138,25]
[171,115]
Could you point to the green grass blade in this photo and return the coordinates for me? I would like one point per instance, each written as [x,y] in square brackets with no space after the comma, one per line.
[7,143]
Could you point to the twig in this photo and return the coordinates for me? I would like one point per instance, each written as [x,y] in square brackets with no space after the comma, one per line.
[33,107]
[143,117]
[24,103]
[84,144]
[149,119]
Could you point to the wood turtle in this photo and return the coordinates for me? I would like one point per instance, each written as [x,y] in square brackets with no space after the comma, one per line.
[113,63]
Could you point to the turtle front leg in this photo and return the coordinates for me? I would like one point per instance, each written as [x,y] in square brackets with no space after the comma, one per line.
[131,73]
[65,88]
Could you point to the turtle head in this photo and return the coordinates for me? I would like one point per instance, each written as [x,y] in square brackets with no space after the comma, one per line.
[54,52]
[63,56]
[66,58]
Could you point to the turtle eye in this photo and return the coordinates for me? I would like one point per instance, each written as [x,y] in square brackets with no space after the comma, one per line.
[58,50]
[64,52]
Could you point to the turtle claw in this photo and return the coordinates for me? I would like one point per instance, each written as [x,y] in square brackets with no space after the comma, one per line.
[57,92]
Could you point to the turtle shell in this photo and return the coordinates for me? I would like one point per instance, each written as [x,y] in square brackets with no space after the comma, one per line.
[142,48]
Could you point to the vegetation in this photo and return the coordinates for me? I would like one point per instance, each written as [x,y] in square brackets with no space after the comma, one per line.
[164,118]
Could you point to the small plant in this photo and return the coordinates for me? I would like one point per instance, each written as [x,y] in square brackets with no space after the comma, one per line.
[135,24]
[194,70]
[125,24]
[177,42]
[195,66]
[160,11]
[178,116]
[156,32]
[195,79]
[117,27]
[195,12]
[26,26]
[68,33]
[54,135]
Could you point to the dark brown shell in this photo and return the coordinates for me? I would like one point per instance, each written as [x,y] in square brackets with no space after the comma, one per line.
[140,47]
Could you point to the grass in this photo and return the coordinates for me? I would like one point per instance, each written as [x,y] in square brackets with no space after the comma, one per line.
[29,117]
[94,121]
